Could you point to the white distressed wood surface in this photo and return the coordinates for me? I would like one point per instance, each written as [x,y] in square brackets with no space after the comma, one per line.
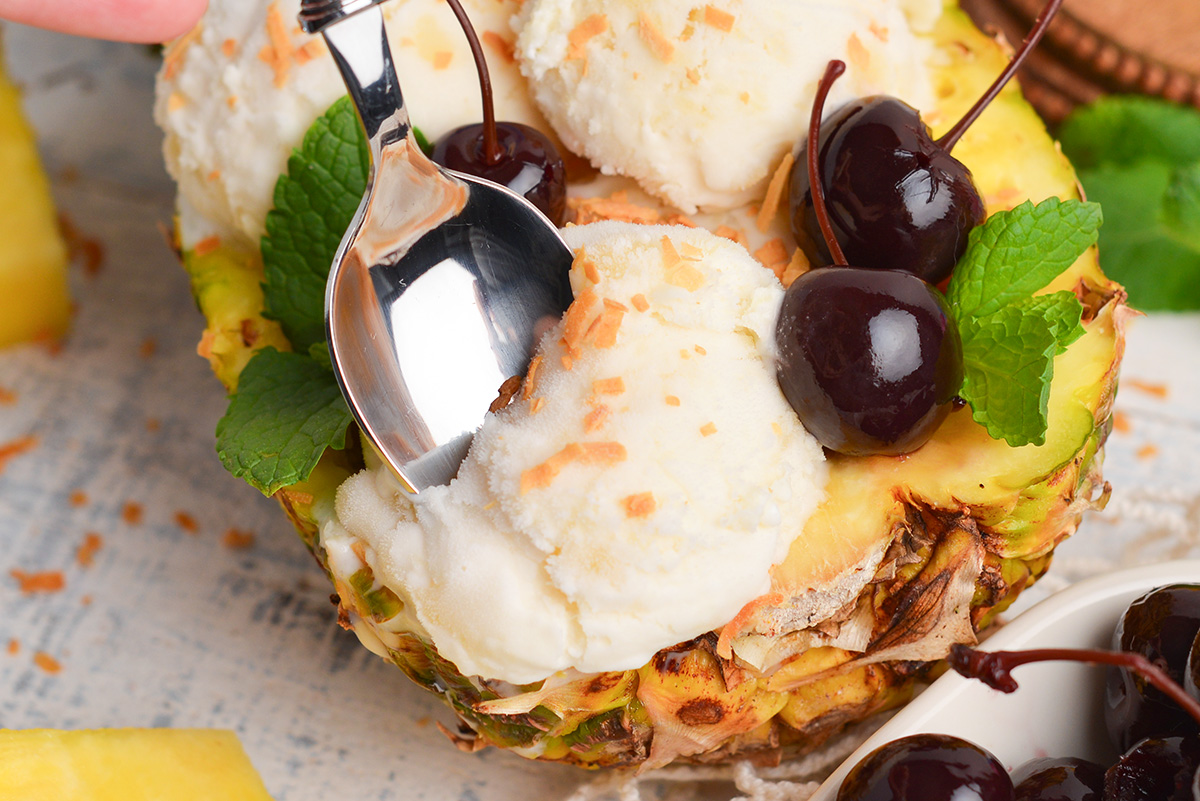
[171,628]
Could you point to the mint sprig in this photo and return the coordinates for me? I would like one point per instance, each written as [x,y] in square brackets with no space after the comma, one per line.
[286,412]
[314,204]
[1010,336]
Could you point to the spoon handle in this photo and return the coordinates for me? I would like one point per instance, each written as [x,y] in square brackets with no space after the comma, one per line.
[357,39]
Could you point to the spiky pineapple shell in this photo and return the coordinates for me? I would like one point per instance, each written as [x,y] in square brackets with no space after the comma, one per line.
[957,530]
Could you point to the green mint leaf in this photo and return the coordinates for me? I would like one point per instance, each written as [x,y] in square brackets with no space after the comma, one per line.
[1062,312]
[314,204]
[1008,363]
[1142,245]
[1121,130]
[1181,207]
[1017,252]
[287,410]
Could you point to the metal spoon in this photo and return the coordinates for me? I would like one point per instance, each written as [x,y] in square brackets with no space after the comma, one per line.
[441,280]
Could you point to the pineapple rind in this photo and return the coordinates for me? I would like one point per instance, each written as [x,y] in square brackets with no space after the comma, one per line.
[940,555]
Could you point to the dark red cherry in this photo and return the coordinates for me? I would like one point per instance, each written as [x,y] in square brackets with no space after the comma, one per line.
[927,767]
[869,359]
[1059,779]
[1155,769]
[897,198]
[1161,626]
[508,153]
[529,163]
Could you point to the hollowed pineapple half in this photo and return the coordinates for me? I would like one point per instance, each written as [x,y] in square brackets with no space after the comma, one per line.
[906,555]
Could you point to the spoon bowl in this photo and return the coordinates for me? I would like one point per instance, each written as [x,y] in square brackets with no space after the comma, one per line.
[440,282]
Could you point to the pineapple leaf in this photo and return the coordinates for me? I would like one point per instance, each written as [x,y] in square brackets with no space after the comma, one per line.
[314,204]
[286,412]
[1008,362]
[1017,252]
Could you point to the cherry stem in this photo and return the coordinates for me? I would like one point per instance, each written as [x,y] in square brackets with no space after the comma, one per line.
[951,137]
[994,668]
[832,71]
[491,145]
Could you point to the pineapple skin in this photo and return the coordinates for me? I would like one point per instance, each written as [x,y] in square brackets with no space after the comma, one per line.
[126,765]
[953,556]
[35,303]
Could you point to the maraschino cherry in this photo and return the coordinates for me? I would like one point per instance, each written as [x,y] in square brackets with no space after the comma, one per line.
[511,154]
[897,198]
[870,360]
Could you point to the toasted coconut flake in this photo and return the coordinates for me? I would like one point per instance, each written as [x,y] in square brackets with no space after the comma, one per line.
[502,46]
[685,276]
[639,302]
[732,233]
[14,647]
[609,386]
[441,59]
[672,400]
[47,663]
[14,448]
[175,101]
[536,405]
[773,198]
[186,522]
[86,553]
[641,504]
[45,581]
[132,513]
[1121,423]
[662,47]
[1147,452]
[880,32]
[229,48]
[237,539]
[603,333]
[1150,388]
[595,419]
[595,209]
[280,51]
[78,498]
[309,51]
[566,361]
[508,390]
[582,33]
[708,429]
[531,377]
[796,267]
[603,453]
[577,320]
[719,19]
[774,256]
[693,75]
[857,53]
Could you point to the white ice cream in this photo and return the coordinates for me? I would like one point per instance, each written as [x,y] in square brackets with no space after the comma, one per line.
[236,95]
[698,102]
[635,495]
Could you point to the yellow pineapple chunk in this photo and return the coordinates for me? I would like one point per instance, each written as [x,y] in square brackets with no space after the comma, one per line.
[34,302]
[126,765]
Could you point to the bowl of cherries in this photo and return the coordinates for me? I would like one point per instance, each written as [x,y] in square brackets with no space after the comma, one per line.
[1107,709]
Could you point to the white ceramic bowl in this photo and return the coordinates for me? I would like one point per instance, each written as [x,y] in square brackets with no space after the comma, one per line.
[1057,709]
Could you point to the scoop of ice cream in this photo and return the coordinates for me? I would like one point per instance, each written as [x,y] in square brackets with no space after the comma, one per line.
[236,95]
[699,102]
[636,492]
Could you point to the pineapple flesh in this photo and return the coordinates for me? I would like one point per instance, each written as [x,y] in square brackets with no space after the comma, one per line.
[126,765]
[906,556]
[34,301]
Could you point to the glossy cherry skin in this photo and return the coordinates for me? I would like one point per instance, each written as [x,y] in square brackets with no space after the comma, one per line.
[1162,626]
[1155,769]
[1059,779]
[871,360]
[896,199]
[927,767]
[1191,675]
[529,164]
